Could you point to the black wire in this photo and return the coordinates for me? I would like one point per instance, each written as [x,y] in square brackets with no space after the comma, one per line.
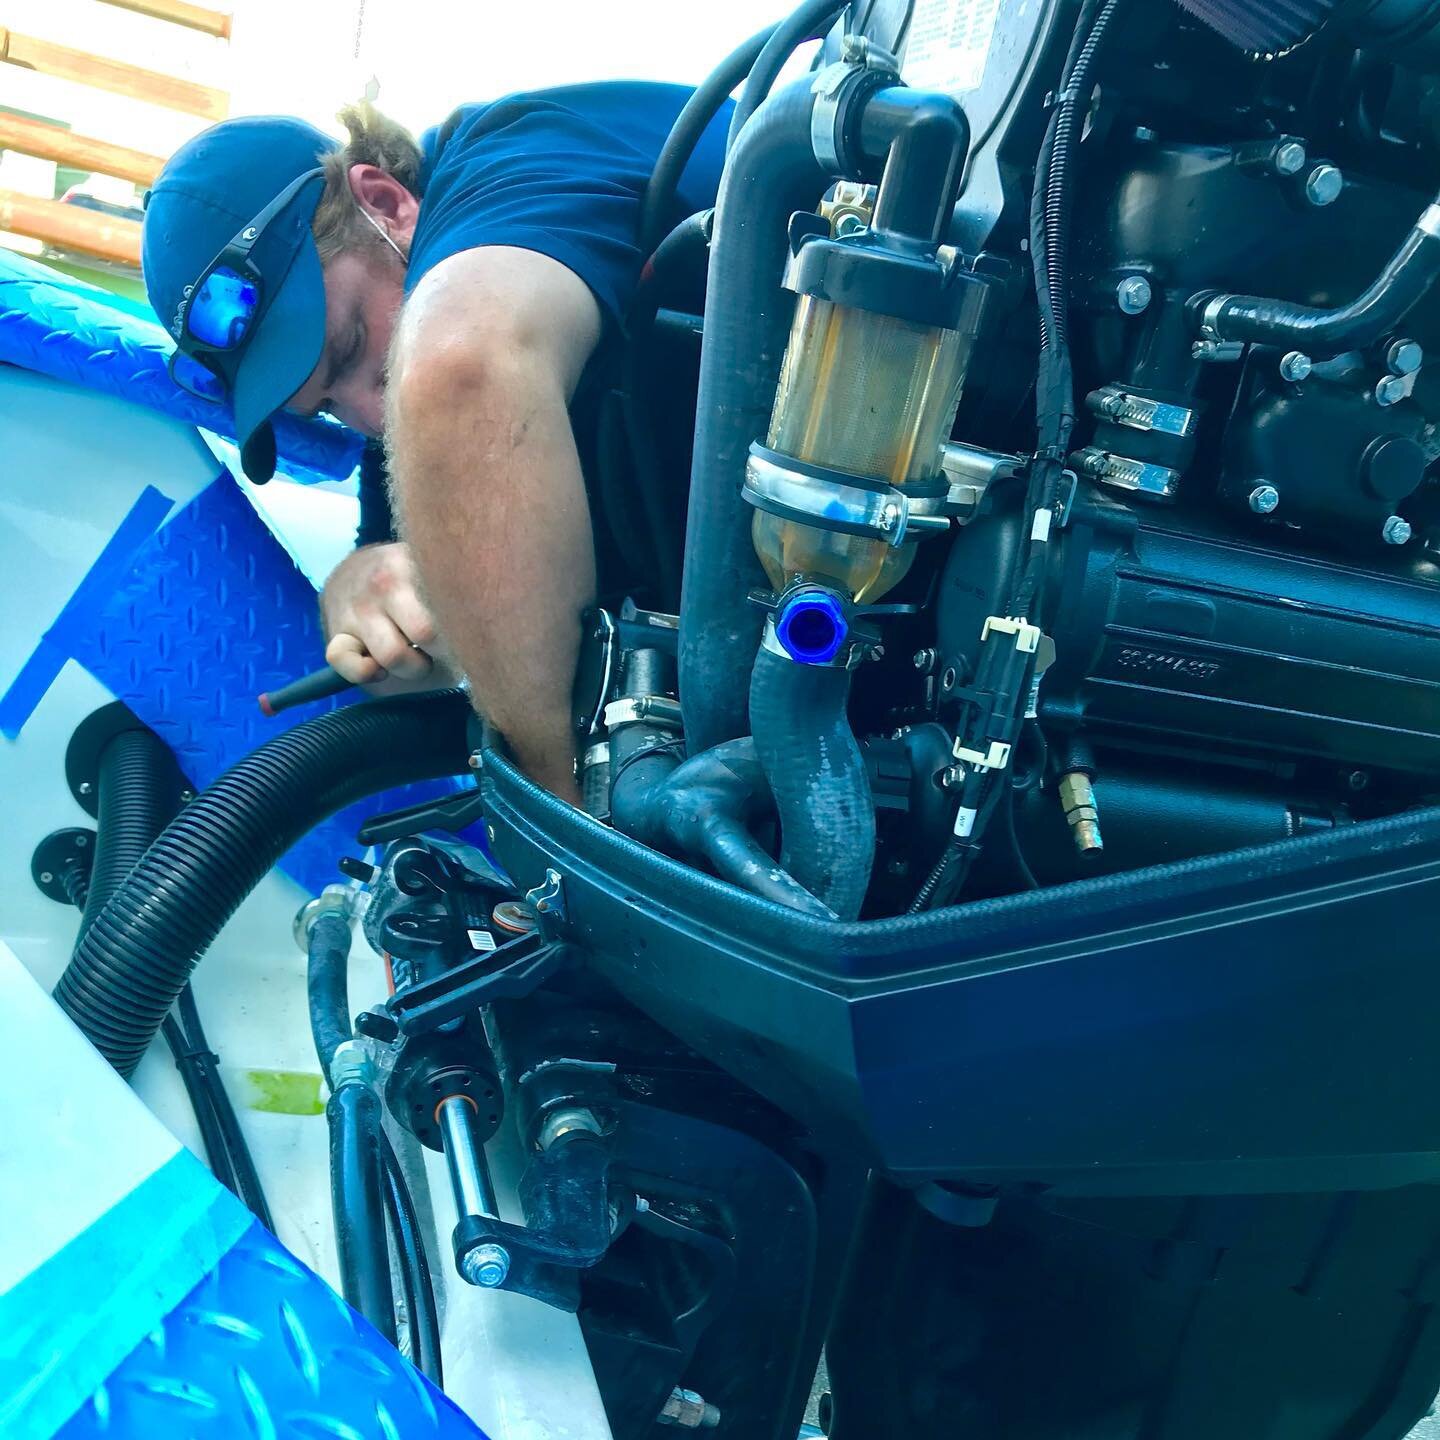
[247,1178]
[216,1155]
[418,1286]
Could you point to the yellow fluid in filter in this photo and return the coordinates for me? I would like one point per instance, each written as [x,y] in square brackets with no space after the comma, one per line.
[866,394]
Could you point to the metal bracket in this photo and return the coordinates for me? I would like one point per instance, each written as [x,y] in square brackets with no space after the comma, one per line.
[548,902]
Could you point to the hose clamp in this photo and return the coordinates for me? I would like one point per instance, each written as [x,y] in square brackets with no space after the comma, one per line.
[863,68]
[833,500]
[661,711]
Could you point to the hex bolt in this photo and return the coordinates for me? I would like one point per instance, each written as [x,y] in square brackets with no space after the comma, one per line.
[1396,530]
[81,841]
[1133,295]
[924,660]
[1264,499]
[1324,184]
[1290,158]
[486,1266]
[1404,357]
[1392,389]
[46,877]
[1295,366]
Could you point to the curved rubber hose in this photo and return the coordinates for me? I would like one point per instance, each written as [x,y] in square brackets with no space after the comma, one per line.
[770,174]
[137,792]
[809,21]
[187,1064]
[817,775]
[136,957]
[356,1173]
[700,109]
[327,985]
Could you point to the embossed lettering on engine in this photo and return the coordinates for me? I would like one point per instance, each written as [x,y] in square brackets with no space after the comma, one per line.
[1136,659]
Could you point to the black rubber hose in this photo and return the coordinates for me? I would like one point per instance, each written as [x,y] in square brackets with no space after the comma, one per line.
[415,1265]
[1400,286]
[770,174]
[657,206]
[327,952]
[353,1115]
[187,1063]
[136,957]
[680,247]
[137,793]
[818,777]
[807,22]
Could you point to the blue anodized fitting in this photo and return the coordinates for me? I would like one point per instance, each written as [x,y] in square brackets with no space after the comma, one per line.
[810,625]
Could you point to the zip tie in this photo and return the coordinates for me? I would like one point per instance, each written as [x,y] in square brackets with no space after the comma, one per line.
[1040,530]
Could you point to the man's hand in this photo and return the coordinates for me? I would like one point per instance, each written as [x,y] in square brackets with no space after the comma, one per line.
[377,625]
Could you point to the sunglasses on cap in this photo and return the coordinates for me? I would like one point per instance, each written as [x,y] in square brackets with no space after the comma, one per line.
[217,314]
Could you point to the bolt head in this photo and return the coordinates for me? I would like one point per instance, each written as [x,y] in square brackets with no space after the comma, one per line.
[889,517]
[1133,295]
[1396,530]
[1295,366]
[1404,357]
[46,877]
[475,762]
[1392,389]
[1323,185]
[850,225]
[486,1266]
[1264,499]
[85,787]
[81,841]
[1290,158]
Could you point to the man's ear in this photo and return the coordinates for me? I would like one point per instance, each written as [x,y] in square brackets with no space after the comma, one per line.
[385,199]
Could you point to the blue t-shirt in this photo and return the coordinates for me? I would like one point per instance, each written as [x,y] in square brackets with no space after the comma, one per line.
[561,172]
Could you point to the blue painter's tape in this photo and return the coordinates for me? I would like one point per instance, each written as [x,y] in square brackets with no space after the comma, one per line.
[263,1349]
[38,673]
[67,1326]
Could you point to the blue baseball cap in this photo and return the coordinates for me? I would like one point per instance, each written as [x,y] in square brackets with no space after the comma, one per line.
[211,188]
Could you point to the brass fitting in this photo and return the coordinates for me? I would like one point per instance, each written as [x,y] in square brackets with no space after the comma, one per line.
[1077,799]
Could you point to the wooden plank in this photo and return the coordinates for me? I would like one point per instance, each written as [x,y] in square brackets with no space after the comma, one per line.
[179,12]
[113,75]
[82,152]
[71,227]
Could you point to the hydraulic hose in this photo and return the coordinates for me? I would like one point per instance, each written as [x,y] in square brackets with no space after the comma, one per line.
[134,960]
[356,1181]
[327,960]
[1400,286]
[809,21]
[414,1265]
[817,775]
[771,173]
[658,203]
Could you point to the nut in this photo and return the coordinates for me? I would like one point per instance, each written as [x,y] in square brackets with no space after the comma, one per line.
[486,1266]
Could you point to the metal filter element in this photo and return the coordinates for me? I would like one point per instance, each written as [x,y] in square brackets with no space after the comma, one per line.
[1264,27]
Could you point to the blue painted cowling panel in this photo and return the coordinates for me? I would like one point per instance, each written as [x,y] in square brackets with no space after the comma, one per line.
[263,1348]
[50,324]
[211,612]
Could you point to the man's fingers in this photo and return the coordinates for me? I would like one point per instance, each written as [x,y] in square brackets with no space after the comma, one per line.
[389,647]
[346,654]
[414,621]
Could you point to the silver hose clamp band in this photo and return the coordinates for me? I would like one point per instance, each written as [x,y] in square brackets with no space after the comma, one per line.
[1210,319]
[825,115]
[828,500]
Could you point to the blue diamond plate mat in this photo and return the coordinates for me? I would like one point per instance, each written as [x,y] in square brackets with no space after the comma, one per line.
[263,1349]
[210,612]
[74,332]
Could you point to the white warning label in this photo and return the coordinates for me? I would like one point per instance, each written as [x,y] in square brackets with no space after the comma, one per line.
[948,44]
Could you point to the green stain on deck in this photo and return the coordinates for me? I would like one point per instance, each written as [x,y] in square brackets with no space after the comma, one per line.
[283,1092]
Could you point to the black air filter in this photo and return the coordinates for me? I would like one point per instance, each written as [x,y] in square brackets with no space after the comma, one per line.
[1264,27]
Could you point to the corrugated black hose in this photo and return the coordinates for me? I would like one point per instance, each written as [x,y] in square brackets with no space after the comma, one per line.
[134,960]
[138,789]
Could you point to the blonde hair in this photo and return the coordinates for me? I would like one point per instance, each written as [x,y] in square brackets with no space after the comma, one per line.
[376,140]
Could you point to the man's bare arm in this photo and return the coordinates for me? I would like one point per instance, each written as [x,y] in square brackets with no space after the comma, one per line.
[488,484]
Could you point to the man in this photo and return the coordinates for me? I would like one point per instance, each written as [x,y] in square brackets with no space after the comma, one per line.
[453,296]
